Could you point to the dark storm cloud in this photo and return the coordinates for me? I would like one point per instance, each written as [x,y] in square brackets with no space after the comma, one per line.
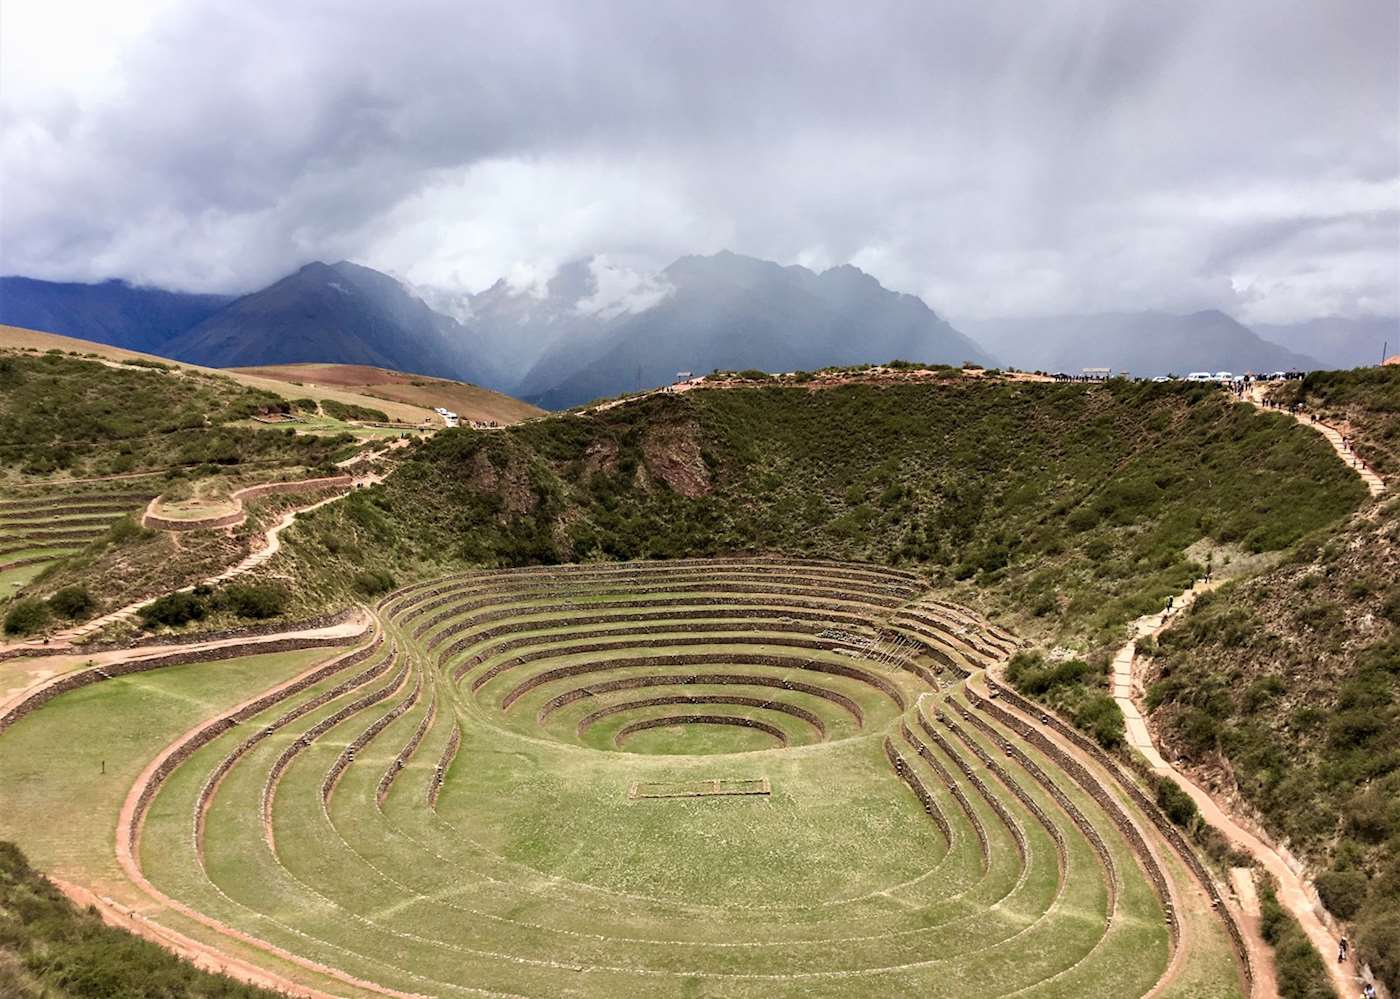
[997,157]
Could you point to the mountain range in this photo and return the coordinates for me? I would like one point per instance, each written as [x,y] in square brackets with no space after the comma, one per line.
[1144,343]
[594,329]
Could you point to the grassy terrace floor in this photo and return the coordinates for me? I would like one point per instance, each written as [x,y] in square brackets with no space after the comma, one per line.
[448,811]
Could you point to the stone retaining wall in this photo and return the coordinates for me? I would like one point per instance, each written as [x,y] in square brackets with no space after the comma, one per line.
[455,589]
[1096,790]
[408,595]
[700,679]
[1149,808]
[1007,781]
[289,754]
[721,609]
[906,773]
[206,793]
[347,755]
[704,659]
[74,501]
[666,722]
[327,620]
[96,674]
[588,720]
[1038,774]
[401,760]
[813,597]
[449,753]
[239,497]
[980,831]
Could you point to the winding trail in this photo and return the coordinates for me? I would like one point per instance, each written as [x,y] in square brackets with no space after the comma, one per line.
[1295,891]
[1374,483]
[272,544]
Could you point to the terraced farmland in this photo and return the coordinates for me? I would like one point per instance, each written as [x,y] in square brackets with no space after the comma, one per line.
[39,528]
[733,777]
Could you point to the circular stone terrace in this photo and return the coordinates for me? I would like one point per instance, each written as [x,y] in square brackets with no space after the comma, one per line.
[736,777]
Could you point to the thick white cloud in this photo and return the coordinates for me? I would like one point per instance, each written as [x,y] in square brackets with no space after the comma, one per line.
[996,158]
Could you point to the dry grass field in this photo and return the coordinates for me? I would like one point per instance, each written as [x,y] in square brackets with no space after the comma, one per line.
[470,402]
[16,338]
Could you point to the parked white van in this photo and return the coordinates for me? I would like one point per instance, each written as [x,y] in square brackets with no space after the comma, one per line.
[1200,376]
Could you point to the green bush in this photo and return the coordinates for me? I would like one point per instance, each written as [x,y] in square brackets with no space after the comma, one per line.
[173,610]
[373,582]
[258,601]
[26,616]
[72,602]
[1300,971]
[1378,944]
[1101,717]
[50,947]
[1176,803]
[1343,892]
[350,411]
[127,528]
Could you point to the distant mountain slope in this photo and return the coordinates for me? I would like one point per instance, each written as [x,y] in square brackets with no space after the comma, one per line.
[112,312]
[14,338]
[332,313]
[735,312]
[518,327]
[1141,343]
[1338,342]
[470,402]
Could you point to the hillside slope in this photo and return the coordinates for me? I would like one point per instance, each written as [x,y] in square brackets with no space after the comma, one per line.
[1336,341]
[1068,509]
[331,313]
[1284,690]
[13,338]
[733,312]
[112,312]
[470,402]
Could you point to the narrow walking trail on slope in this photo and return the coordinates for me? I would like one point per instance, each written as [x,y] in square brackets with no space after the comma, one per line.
[1295,892]
[1374,482]
[271,546]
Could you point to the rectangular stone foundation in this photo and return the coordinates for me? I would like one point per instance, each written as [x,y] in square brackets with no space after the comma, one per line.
[699,788]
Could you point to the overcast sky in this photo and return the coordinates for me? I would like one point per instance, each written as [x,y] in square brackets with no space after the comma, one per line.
[996,158]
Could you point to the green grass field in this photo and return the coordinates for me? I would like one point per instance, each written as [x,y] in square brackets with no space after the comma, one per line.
[450,810]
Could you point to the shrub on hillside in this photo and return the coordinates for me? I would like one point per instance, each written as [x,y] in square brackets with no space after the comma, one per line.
[349,411]
[1176,803]
[373,582]
[1378,944]
[50,947]
[1101,717]
[173,610]
[72,602]
[1301,973]
[258,601]
[1343,892]
[26,616]
[125,529]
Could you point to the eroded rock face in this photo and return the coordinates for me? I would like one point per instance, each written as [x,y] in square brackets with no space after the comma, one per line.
[511,483]
[672,454]
[601,456]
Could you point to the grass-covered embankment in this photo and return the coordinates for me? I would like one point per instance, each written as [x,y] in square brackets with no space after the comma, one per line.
[1068,509]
